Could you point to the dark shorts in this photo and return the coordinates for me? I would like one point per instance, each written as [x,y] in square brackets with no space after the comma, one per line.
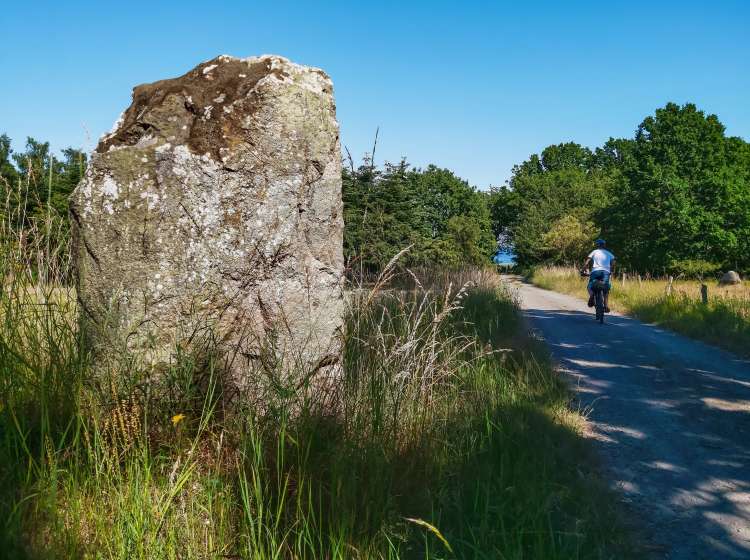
[602,275]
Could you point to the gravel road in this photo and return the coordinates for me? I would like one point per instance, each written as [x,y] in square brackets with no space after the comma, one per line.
[670,418]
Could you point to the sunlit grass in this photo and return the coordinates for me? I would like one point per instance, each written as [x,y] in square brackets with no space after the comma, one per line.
[724,321]
[452,439]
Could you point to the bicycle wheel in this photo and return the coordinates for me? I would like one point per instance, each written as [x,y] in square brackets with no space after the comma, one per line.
[600,306]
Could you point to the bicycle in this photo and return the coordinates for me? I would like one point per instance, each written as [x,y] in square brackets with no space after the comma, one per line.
[599,287]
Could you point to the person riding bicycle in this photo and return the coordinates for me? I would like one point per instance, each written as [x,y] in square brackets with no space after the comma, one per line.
[602,264]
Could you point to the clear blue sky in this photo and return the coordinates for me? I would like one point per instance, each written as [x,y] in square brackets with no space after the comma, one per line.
[472,86]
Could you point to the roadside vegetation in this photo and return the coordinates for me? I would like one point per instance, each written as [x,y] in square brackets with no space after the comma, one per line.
[723,321]
[451,436]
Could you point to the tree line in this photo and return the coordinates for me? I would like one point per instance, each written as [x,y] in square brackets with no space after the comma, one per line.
[439,216]
[674,198]
[34,189]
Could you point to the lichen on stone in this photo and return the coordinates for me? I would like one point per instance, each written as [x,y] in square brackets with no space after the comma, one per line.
[223,196]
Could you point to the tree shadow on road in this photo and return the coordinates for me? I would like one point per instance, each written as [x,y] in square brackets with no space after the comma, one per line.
[671,418]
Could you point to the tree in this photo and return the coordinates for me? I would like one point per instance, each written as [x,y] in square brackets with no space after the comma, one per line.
[35,188]
[566,156]
[8,173]
[613,155]
[441,216]
[686,193]
[504,206]
[466,234]
[675,197]
[381,213]
[568,240]
[561,182]
[452,207]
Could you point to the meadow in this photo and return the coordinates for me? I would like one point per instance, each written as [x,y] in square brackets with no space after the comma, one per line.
[452,437]
[723,321]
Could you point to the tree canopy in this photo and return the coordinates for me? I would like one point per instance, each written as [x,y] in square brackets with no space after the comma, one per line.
[676,197]
[684,193]
[36,185]
[442,218]
[552,196]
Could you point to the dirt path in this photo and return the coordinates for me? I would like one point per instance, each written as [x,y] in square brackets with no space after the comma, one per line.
[671,420]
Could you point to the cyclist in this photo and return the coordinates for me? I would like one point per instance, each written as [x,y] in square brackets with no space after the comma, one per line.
[602,264]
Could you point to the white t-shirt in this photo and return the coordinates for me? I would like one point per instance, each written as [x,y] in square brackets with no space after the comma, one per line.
[602,260]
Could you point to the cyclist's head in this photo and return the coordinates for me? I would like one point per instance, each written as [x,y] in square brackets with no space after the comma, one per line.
[600,243]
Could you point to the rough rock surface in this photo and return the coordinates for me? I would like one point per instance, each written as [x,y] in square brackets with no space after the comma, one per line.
[216,201]
[730,278]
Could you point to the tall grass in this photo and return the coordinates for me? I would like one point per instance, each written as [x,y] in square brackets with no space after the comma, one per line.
[724,321]
[452,439]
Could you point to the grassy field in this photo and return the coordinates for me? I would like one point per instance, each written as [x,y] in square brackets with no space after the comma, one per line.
[724,321]
[452,439]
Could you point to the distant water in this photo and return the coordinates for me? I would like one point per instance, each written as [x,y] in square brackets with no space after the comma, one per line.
[504,257]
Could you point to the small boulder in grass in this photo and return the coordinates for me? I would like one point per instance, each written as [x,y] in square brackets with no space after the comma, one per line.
[730,278]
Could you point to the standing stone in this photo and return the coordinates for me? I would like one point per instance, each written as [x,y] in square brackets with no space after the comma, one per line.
[730,278]
[215,202]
